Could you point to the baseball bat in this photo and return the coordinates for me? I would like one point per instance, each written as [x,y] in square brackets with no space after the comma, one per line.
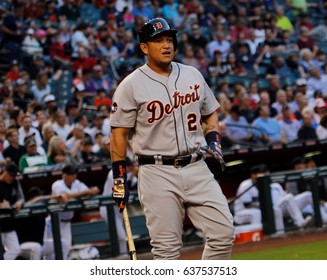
[130,241]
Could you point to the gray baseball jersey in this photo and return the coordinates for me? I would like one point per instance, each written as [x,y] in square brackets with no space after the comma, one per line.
[165,111]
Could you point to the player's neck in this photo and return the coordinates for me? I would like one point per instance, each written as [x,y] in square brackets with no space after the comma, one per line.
[162,69]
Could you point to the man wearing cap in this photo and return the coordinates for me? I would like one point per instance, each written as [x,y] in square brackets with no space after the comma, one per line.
[32,158]
[11,196]
[21,94]
[14,151]
[73,188]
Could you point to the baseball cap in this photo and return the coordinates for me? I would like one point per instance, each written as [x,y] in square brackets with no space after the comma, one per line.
[40,33]
[260,168]
[33,192]
[301,82]
[12,169]
[97,67]
[20,82]
[69,169]
[49,98]
[30,140]
[319,103]
[30,31]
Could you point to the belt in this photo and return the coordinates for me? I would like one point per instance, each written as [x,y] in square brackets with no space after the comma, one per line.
[178,161]
[65,221]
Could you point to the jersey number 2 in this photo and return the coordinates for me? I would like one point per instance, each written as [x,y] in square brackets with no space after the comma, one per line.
[191,122]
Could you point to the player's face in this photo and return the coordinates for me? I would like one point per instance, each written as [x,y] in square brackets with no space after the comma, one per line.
[160,50]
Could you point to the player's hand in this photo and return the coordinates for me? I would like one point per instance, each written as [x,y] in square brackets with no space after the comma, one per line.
[94,190]
[120,193]
[214,149]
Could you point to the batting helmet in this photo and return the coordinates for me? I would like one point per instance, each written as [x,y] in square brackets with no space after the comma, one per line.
[156,27]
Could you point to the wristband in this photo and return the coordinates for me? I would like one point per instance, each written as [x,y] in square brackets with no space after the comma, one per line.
[212,136]
[119,169]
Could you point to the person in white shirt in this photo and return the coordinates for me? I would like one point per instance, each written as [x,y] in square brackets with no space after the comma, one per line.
[61,126]
[27,130]
[72,188]
[247,205]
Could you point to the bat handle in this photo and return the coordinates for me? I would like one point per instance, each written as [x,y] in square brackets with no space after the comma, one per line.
[131,245]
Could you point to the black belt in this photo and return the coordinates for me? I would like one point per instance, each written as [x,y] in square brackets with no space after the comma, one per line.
[66,221]
[178,161]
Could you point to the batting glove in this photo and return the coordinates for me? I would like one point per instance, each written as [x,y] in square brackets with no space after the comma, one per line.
[120,193]
[214,149]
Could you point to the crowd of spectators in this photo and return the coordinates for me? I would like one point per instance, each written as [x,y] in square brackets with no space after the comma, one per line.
[264,60]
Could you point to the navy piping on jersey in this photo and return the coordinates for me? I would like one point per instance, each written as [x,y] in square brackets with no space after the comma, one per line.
[181,108]
[167,91]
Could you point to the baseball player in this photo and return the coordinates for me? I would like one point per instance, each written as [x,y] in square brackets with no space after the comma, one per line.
[72,188]
[162,106]
[247,206]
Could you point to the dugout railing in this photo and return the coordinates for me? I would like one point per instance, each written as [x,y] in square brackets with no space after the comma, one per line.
[315,179]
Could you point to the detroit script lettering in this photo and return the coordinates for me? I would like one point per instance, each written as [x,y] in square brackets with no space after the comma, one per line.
[157,109]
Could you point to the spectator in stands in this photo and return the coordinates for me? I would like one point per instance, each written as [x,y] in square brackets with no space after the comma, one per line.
[306,131]
[188,57]
[273,87]
[27,129]
[278,68]
[79,40]
[69,10]
[32,159]
[169,10]
[282,21]
[11,29]
[73,188]
[41,88]
[57,150]
[110,8]
[14,71]
[268,129]
[289,124]
[196,39]
[281,101]
[304,40]
[218,43]
[101,98]
[83,61]
[234,64]
[14,151]
[287,42]
[107,49]
[320,31]
[72,110]
[11,195]
[77,135]
[240,27]
[307,60]
[225,108]
[30,44]
[319,107]
[321,129]
[100,80]
[47,133]
[316,81]
[22,96]
[7,88]
[254,91]
[58,53]
[237,127]
[142,10]
[97,125]
[61,126]
[103,154]
[202,59]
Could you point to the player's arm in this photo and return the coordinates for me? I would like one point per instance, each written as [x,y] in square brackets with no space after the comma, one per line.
[212,137]
[118,149]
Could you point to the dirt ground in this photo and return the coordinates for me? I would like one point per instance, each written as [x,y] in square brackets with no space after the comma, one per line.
[291,238]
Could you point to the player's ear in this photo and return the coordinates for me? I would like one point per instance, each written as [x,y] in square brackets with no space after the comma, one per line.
[144,48]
